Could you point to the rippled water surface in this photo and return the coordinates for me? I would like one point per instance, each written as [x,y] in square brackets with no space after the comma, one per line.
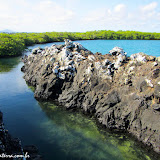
[59,134]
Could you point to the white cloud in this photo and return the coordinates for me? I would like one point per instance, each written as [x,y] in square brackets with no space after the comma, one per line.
[3,7]
[72,4]
[53,12]
[53,15]
[120,12]
[119,17]
[35,16]
[149,7]
[148,12]
[104,14]
[95,15]
[107,16]
[158,16]
[119,8]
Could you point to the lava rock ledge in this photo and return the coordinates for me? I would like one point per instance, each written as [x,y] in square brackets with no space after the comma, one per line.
[122,92]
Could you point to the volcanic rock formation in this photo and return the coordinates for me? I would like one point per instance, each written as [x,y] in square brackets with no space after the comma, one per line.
[122,92]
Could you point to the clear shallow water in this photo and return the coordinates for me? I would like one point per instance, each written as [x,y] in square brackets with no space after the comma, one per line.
[150,47]
[59,134]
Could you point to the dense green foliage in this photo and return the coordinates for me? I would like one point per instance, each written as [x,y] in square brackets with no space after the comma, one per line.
[13,44]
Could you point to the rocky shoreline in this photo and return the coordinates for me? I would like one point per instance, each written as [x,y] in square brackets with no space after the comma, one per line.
[122,92]
[11,148]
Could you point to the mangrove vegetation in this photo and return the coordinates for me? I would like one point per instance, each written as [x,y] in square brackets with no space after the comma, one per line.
[13,44]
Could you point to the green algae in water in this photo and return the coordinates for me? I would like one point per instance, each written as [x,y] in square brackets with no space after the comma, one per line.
[78,137]
[7,64]
[30,87]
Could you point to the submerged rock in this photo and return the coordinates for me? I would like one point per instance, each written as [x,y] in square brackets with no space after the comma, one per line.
[122,92]
[33,152]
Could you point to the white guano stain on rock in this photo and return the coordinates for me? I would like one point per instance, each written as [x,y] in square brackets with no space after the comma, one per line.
[149,83]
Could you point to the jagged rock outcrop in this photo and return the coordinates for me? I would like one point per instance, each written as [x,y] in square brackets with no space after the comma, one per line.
[11,148]
[8,145]
[122,92]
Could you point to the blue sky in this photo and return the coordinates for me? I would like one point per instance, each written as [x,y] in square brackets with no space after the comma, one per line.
[79,15]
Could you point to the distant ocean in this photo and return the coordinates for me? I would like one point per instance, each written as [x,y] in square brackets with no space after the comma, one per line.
[150,47]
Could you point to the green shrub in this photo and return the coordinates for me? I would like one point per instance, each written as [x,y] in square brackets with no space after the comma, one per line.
[15,43]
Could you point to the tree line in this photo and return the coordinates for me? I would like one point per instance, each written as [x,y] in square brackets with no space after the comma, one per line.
[13,44]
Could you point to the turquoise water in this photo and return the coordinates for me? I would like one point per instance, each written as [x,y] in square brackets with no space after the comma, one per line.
[59,134]
[150,47]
